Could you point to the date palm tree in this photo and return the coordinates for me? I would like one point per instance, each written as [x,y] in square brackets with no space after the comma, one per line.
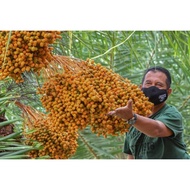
[127,53]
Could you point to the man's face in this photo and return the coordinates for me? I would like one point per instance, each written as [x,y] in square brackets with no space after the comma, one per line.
[155,78]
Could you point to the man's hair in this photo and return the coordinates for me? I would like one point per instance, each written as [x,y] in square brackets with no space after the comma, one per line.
[161,69]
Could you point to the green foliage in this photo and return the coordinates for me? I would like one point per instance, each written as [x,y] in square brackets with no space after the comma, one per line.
[92,146]
[13,146]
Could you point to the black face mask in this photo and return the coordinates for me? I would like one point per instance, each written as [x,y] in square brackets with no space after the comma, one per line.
[155,95]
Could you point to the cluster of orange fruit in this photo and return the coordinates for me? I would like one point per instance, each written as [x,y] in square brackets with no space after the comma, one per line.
[84,97]
[23,51]
[56,143]
[77,94]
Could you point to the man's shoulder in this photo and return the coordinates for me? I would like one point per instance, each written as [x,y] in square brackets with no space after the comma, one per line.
[170,109]
[167,111]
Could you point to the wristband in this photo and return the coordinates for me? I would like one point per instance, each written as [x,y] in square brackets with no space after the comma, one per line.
[132,120]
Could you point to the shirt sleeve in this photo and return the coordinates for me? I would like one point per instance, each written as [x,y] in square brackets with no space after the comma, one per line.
[173,120]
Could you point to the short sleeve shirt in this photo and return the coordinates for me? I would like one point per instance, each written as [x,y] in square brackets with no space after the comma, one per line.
[144,147]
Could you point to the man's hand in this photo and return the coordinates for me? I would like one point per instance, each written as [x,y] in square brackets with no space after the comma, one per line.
[125,112]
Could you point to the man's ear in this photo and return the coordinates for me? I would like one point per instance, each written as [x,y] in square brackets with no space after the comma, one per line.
[169,91]
[140,86]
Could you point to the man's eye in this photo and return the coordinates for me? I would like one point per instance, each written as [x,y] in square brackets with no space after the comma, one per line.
[158,84]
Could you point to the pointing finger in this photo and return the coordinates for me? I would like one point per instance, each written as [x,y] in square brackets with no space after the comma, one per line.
[111,113]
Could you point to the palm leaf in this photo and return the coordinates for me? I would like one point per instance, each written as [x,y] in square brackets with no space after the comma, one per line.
[92,146]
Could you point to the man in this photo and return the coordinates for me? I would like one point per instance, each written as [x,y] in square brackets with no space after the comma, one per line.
[160,135]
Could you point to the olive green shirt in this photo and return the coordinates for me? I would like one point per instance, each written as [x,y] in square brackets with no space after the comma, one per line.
[144,147]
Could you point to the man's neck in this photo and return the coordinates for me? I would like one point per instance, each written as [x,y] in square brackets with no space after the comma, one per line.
[157,108]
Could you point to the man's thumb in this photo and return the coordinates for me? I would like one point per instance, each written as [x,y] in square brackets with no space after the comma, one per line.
[130,104]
